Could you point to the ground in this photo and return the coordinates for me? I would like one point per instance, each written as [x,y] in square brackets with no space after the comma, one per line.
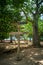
[28,55]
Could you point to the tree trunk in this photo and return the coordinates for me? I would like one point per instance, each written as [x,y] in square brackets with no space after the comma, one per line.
[1,41]
[36,41]
[11,39]
[18,49]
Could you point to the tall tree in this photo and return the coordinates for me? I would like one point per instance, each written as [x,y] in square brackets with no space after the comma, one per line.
[6,16]
[33,10]
[3,24]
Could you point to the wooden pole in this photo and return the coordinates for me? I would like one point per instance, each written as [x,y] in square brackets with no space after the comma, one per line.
[18,49]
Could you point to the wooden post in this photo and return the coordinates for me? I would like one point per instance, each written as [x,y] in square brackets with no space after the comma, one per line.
[18,49]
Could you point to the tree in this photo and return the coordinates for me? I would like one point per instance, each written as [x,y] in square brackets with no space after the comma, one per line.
[6,18]
[4,26]
[33,10]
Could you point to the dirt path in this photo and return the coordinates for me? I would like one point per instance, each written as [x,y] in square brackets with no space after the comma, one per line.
[33,56]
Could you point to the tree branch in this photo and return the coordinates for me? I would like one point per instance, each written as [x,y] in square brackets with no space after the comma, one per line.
[40,2]
[27,17]
[40,12]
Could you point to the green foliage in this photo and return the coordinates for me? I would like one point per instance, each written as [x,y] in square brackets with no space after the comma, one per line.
[4,28]
[8,15]
[27,28]
[18,3]
[4,20]
[40,23]
[3,35]
[3,3]
[10,12]
[30,29]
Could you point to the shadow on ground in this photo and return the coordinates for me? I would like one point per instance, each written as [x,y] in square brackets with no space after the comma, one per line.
[31,56]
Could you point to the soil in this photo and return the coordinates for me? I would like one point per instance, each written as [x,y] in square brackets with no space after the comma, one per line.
[28,55]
